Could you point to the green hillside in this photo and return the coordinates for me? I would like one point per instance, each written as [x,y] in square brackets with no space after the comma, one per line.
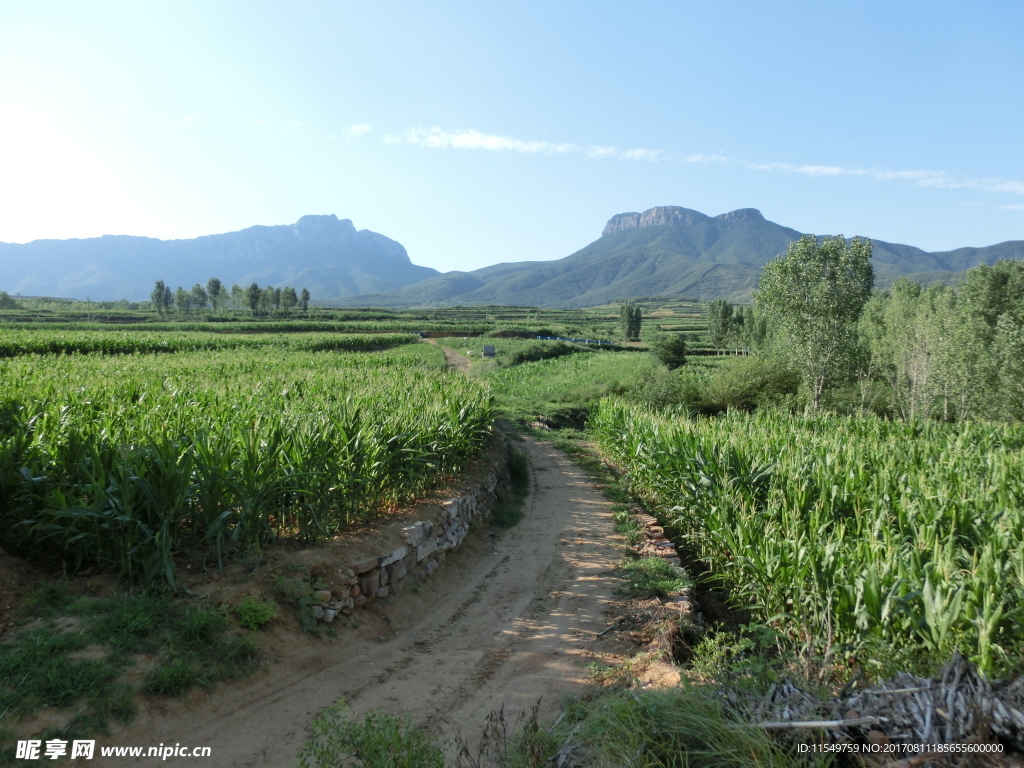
[665,251]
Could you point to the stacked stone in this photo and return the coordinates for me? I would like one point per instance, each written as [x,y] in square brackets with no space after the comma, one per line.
[425,547]
[657,544]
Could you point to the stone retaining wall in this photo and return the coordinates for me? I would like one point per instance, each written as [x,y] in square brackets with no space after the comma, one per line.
[426,545]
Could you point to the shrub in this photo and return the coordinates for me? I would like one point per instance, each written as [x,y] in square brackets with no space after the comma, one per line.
[541,351]
[747,383]
[670,350]
[254,613]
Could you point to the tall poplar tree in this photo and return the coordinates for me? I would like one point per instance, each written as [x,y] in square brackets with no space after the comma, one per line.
[814,294]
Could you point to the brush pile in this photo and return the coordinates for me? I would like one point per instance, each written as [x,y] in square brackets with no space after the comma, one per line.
[958,707]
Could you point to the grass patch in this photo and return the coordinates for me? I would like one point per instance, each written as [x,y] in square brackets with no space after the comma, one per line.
[627,525]
[172,678]
[652,577]
[39,666]
[683,726]
[549,387]
[379,741]
[508,509]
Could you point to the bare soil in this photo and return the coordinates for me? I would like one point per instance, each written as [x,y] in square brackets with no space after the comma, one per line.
[456,362]
[511,617]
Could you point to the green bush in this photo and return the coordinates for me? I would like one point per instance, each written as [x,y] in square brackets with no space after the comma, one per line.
[660,388]
[254,613]
[670,349]
[747,383]
[542,350]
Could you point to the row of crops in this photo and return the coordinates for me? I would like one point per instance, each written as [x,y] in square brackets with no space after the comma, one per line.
[128,460]
[33,342]
[846,532]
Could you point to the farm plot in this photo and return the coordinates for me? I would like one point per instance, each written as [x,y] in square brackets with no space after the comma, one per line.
[45,342]
[125,460]
[900,542]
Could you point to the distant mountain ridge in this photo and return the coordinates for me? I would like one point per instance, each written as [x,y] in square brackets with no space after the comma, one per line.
[666,251]
[663,251]
[325,254]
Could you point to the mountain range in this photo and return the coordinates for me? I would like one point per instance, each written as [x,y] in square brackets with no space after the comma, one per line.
[325,254]
[667,251]
[664,251]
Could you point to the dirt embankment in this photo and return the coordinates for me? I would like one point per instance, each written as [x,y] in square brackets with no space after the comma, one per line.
[511,618]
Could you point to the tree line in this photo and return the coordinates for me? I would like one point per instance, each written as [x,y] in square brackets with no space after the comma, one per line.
[219,297]
[910,351]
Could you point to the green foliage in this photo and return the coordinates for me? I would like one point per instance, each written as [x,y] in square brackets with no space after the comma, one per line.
[681,726]
[541,351]
[670,349]
[509,511]
[254,613]
[38,668]
[548,387]
[32,342]
[379,741]
[846,531]
[518,469]
[945,354]
[125,461]
[171,678]
[710,386]
[652,577]
[630,320]
[747,383]
[814,294]
[719,322]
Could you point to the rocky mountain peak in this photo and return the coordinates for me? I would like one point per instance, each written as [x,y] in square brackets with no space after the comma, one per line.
[652,217]
[742,214]
[325,225]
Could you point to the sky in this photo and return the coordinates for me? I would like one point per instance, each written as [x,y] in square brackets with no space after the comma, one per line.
[475,133]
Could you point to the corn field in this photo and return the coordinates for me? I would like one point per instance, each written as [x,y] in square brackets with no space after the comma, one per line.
[846,532]
[16,343]
[126,460]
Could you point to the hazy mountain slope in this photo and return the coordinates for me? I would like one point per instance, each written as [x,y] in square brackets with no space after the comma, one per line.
[667,251]
[322,253]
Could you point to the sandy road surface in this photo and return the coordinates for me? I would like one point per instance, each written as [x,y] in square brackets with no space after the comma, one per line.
[507,620]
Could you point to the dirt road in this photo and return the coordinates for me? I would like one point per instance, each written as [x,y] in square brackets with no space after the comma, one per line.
[509,619]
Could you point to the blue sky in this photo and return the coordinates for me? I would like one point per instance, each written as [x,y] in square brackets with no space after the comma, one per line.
[475,133]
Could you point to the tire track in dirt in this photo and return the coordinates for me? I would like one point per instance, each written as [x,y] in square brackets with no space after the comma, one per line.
[507,620]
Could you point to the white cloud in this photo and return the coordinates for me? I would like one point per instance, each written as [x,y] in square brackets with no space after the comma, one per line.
[291,125]
[1011,207]
[920,178]
[469,138]
[355,131]
[808,170]
[702,158]
[436,138]
[640,154]
[190,120]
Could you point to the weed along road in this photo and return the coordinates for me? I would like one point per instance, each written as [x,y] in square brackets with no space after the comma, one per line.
[510,618]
